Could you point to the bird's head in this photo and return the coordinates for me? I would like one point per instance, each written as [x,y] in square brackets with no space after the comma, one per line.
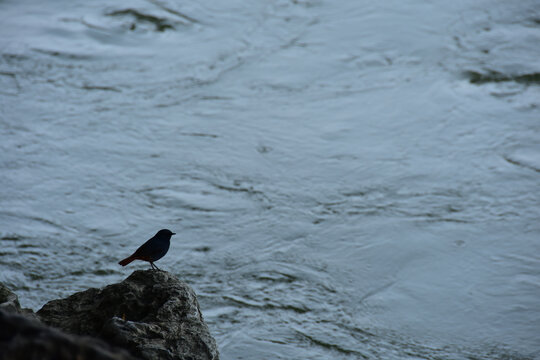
[165,232]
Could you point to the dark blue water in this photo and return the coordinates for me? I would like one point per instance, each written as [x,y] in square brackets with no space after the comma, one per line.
[347,180]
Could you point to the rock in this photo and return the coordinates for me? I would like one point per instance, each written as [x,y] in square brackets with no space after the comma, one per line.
[9,302]
[151,313]
[22,338]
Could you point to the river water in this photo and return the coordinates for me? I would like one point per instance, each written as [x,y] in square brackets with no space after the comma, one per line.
[351,179]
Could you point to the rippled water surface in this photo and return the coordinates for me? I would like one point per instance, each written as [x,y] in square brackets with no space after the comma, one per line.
[350,179]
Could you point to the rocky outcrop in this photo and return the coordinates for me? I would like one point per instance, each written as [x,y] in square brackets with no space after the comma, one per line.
[152,314]
[9,302]
[23,338]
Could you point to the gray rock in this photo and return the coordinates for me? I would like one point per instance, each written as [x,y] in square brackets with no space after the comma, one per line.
[22,338]
[151,313]
[9,302]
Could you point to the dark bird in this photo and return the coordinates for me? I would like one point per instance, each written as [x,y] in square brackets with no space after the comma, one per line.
[152,250]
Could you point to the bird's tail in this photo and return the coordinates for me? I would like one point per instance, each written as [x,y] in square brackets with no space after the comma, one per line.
[127,260]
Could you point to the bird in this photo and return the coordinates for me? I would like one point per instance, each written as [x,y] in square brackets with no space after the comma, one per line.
[152,250]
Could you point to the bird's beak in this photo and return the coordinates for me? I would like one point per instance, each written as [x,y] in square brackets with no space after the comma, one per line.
[174,233]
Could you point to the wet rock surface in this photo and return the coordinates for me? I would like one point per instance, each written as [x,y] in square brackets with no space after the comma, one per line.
[151,313]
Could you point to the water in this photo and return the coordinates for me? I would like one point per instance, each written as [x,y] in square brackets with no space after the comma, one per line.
[347,179]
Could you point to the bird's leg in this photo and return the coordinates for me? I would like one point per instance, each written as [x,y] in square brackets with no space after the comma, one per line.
[154,266]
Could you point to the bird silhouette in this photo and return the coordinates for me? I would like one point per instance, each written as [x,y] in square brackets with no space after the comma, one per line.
[152,250]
